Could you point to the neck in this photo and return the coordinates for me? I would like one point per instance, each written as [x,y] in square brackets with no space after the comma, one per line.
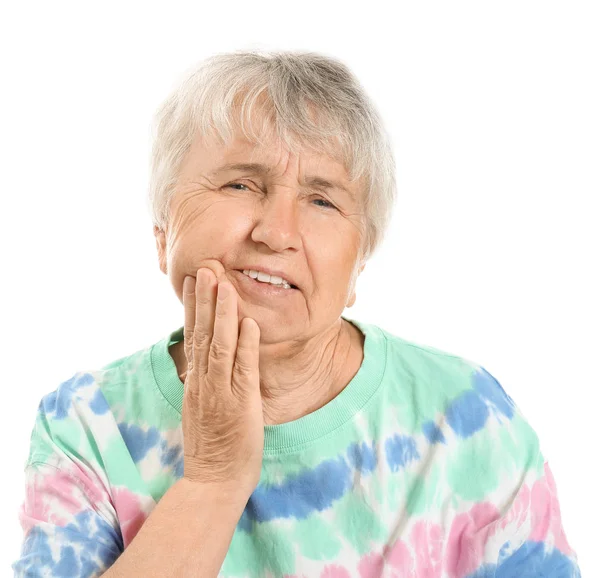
[294,386]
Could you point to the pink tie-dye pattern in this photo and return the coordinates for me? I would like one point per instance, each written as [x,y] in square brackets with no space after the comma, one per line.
[371,565]
[399,560]
[427,543]
[130,513]
[468,535]
[545,512]
[334,571]
[43,490]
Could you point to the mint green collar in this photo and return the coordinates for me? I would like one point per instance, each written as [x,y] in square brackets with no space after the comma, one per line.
[285,437]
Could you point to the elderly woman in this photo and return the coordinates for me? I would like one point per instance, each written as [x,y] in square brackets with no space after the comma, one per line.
[270,435]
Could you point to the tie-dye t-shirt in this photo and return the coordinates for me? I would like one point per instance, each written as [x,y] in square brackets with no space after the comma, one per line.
[421,467]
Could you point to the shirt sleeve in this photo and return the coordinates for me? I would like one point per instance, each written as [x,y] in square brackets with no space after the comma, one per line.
[533,538]
[69,521]
[517,530]
[65,534]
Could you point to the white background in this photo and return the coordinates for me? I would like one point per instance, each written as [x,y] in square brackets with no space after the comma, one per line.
[492,254]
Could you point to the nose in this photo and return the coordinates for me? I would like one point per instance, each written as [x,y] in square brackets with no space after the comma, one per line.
[278,221]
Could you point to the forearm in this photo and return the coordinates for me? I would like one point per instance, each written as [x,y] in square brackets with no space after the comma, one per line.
[187,534]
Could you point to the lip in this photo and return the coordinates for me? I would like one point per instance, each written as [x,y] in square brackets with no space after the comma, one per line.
[270,272]
[261,290]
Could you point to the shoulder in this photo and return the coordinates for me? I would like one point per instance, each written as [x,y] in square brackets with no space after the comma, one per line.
[63,416]
[58,403]
[439,385]
[455,401]
[85,388]
[85,414]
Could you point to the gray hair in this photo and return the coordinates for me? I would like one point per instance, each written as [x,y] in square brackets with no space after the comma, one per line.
[347,126]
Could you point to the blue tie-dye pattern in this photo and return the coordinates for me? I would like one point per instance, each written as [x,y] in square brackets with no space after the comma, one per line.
[362,457]
[531,559]
[302,494]
[486,571]
[81,530]
[138,441]
[433,433]
[504,552]
[178,469]
[105,544]
[299,496]
[489,388]
[399,450]
[35,553]
[245,522]
[68,565]
[56,404]
[172,457]
[467,413]
[98,403]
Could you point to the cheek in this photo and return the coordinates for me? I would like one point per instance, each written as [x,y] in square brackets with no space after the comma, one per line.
[214,234]
[225,215]
[219,221]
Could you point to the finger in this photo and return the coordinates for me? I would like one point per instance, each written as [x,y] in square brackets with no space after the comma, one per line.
[189,306]
[225,335]
[204,320]
[246,365]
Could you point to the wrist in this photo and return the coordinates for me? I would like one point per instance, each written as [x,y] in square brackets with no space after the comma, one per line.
[219,492]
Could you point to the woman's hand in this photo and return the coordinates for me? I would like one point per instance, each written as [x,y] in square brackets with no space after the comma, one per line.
[222,417]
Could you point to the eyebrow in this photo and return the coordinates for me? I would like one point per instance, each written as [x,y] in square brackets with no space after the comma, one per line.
[259,168]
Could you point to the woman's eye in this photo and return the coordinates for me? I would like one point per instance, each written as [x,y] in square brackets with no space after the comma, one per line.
[237,184]
[327,205]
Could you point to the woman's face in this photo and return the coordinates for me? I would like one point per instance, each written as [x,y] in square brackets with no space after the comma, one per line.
[247,218]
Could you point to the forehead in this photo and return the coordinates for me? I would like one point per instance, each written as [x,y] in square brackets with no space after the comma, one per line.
[210,157]
[273,154]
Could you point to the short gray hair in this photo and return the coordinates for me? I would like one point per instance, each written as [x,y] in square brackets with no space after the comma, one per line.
[348,126]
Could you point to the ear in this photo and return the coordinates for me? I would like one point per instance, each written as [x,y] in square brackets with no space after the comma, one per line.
[352,298]
[161,248]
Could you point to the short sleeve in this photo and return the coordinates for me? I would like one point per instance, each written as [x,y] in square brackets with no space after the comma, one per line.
[533,538]
[509,521]
[69,520]
[65,533]
[517,528]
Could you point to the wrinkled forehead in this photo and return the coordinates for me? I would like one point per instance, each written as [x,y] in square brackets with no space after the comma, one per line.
[256,136]
[271,158]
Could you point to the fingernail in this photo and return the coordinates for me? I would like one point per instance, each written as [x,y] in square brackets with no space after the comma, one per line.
[188,284]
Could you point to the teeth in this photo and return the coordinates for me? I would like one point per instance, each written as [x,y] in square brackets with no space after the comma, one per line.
[266,278]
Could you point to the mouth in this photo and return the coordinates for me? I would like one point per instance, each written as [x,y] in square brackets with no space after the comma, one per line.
[261,288]
[242,272]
